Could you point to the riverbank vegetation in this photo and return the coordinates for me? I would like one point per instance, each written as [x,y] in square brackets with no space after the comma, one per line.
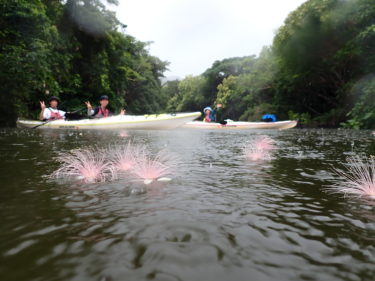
[320,68]
[76,50]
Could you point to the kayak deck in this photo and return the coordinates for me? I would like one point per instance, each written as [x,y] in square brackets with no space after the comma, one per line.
[281,125]
[154,121]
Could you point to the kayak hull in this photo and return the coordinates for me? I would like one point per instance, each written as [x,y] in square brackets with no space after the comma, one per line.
[280,125]
[154,121]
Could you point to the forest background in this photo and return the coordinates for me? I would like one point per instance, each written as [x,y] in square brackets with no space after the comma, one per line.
[320,68]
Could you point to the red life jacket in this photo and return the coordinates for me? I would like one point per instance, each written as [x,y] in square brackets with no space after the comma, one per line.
[54,115]
[102,113]
[207,118]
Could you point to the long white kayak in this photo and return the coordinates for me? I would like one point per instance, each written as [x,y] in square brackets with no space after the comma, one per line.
[242,125]
[153,121]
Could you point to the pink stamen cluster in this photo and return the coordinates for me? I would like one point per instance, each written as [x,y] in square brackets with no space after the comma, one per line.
[359,177]
[264,143]
[93,165]
[154,167]
[260,149]
[125,157]
[88,165]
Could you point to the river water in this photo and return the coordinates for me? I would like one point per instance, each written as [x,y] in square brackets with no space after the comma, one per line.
[221,217]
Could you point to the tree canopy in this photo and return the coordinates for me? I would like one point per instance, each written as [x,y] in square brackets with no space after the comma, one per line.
[76,50]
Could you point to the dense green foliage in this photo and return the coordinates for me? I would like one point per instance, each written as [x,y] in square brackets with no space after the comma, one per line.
[324,51]
[320,69]
[76,50]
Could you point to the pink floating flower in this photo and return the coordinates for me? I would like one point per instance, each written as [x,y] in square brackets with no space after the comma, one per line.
[359,177]
[259,149]
[89,165]
[257,154]
[123,134]
[125,157]
[151,168]
[264,143]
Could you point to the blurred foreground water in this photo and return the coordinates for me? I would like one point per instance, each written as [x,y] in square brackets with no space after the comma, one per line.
[220,218]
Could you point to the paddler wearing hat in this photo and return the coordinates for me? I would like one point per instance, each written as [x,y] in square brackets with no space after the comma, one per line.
[102,110]
[51,112]
[210,114]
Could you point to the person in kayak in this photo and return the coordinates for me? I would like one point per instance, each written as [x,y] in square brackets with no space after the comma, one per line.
[210,114]
[102,110]
[51,113]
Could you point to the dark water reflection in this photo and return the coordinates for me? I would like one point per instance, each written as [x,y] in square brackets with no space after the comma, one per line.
[220,218]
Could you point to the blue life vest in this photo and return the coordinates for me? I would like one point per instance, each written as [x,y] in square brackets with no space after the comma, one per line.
[212,116]
[269,118]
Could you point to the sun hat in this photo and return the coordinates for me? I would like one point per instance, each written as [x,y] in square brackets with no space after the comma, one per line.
[54,98]
[207,108]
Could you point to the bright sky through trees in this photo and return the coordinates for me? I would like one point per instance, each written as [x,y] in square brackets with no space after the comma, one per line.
[192,34]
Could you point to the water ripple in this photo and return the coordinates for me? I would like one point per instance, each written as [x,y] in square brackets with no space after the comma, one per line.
[220,218]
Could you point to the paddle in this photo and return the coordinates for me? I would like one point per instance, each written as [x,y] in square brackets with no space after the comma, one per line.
[79,110]
[48,121]
[219,106]
[74,116]
[42,123]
